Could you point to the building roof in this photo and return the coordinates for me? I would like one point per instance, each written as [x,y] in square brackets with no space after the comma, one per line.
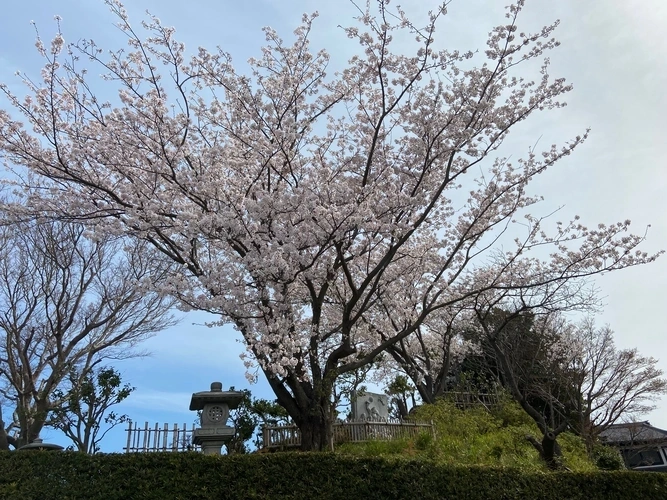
[633,432]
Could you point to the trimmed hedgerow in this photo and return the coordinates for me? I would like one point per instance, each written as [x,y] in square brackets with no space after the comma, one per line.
[69,475]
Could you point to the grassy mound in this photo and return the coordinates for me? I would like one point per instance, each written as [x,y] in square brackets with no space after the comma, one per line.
[475,437]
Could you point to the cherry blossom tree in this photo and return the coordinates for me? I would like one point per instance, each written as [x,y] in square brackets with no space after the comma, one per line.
[432,354]
[326,216]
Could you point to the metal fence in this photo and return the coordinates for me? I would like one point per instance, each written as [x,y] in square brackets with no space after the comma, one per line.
[158,438]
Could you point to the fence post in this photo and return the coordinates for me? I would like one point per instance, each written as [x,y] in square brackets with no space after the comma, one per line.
[146,436]
[129,435]
[156,437]
[265,437]
[165,436]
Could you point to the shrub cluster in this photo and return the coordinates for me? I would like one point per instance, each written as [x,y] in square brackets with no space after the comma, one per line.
[69,475]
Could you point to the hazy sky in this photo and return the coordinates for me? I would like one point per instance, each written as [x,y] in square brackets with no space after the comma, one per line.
[613,51]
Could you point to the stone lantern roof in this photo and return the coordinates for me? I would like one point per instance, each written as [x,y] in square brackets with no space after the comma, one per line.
[216,395]
[38,444]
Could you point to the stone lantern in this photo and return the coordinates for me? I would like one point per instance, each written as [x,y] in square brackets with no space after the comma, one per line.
[214,405]
[39,445]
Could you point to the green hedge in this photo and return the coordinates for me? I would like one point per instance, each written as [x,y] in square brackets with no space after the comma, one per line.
[69,475]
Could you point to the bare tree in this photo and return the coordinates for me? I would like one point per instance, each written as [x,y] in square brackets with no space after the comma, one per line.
[613,383]
[533,363]
[67,302]
[567,376]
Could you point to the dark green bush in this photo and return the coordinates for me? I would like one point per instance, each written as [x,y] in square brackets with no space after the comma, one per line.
[607,458]
[68,476]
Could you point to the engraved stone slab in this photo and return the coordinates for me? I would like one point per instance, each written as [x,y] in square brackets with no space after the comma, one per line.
[371,407]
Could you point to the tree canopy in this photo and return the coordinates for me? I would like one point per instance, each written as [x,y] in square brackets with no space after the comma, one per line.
[327,216]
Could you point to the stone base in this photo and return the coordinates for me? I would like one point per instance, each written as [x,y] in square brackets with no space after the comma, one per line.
[213,439]
[212,447]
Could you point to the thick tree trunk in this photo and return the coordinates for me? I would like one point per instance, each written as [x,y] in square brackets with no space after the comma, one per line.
[549,449]
[316,433]
[402,408]
[32,422]
[310,410]
[427,396]
[551,454]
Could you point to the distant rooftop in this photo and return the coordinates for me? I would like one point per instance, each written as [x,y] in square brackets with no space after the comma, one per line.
[633,432]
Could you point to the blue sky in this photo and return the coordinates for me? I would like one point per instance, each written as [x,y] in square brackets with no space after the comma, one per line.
[614,53]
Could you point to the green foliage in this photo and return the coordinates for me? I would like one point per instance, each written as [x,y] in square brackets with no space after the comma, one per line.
[510,413]
[71,476]
[245,423]
[574,453]
[250,414]
[400,386]
[475,437]
[424,441]
[402,390]
[85,407]
[394,448]
[607,458]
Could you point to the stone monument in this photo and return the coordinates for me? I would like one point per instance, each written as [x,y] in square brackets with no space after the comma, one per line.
[214,405]
[370,407]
